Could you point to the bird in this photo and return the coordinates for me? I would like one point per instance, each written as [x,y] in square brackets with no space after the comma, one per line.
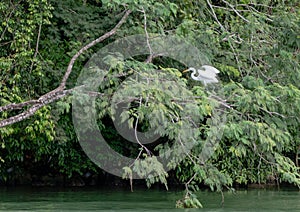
[207,76]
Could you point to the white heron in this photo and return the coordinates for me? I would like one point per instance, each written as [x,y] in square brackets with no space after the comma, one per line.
[207,76]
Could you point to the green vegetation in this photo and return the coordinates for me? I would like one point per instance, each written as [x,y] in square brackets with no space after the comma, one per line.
[254,44]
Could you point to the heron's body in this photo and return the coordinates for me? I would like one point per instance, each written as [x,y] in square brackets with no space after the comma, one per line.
[207,76]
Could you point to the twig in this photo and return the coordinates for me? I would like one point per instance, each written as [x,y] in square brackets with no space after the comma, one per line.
[272,113]
[7,19]
[189,155]
[254,4]
[297,156]
[258,170]
[228,9]
[139,155]
[38,41]
[232,7]
[187,184]
[135,133]
[236,57]
[258,12]
[36,46]
[149,59]
[215,16]
[222,202]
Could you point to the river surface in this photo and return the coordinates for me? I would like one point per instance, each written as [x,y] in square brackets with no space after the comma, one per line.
[49,199]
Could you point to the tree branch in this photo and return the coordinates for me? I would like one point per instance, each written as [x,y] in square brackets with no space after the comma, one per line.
[149,59]
[37,104]
[232,7]
[215,16]
[36,46]
[93,43]
[60,91]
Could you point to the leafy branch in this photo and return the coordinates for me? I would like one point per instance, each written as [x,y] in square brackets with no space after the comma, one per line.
[60,91]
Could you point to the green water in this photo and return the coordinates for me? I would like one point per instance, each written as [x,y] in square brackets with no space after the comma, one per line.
[16,199]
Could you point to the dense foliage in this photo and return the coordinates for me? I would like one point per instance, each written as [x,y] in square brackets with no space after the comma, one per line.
[254,44]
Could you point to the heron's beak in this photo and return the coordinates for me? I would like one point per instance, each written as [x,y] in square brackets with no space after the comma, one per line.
[186,70]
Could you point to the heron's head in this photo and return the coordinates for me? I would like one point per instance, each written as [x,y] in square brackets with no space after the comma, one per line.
[189,69]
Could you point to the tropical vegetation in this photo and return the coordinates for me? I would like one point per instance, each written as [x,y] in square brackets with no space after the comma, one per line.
[255,44]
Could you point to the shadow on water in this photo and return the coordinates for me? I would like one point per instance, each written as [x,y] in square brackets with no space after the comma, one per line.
[86,199]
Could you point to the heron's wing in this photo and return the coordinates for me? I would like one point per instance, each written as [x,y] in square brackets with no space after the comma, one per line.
[207,74]
[207,77]
[210,68]
[213,80]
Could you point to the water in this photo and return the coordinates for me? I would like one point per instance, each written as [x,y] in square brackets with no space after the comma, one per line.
[43,199]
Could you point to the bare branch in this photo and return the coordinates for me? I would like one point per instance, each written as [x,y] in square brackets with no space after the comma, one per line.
[38,41]
[42,101]
[232,7]
[149,60]
[135,133]
[297,156]
[36,46]
[271,113]
[236,57]
[14,106]
[215,16]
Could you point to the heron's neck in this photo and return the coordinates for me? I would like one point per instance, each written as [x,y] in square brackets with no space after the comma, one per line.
[194,73]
